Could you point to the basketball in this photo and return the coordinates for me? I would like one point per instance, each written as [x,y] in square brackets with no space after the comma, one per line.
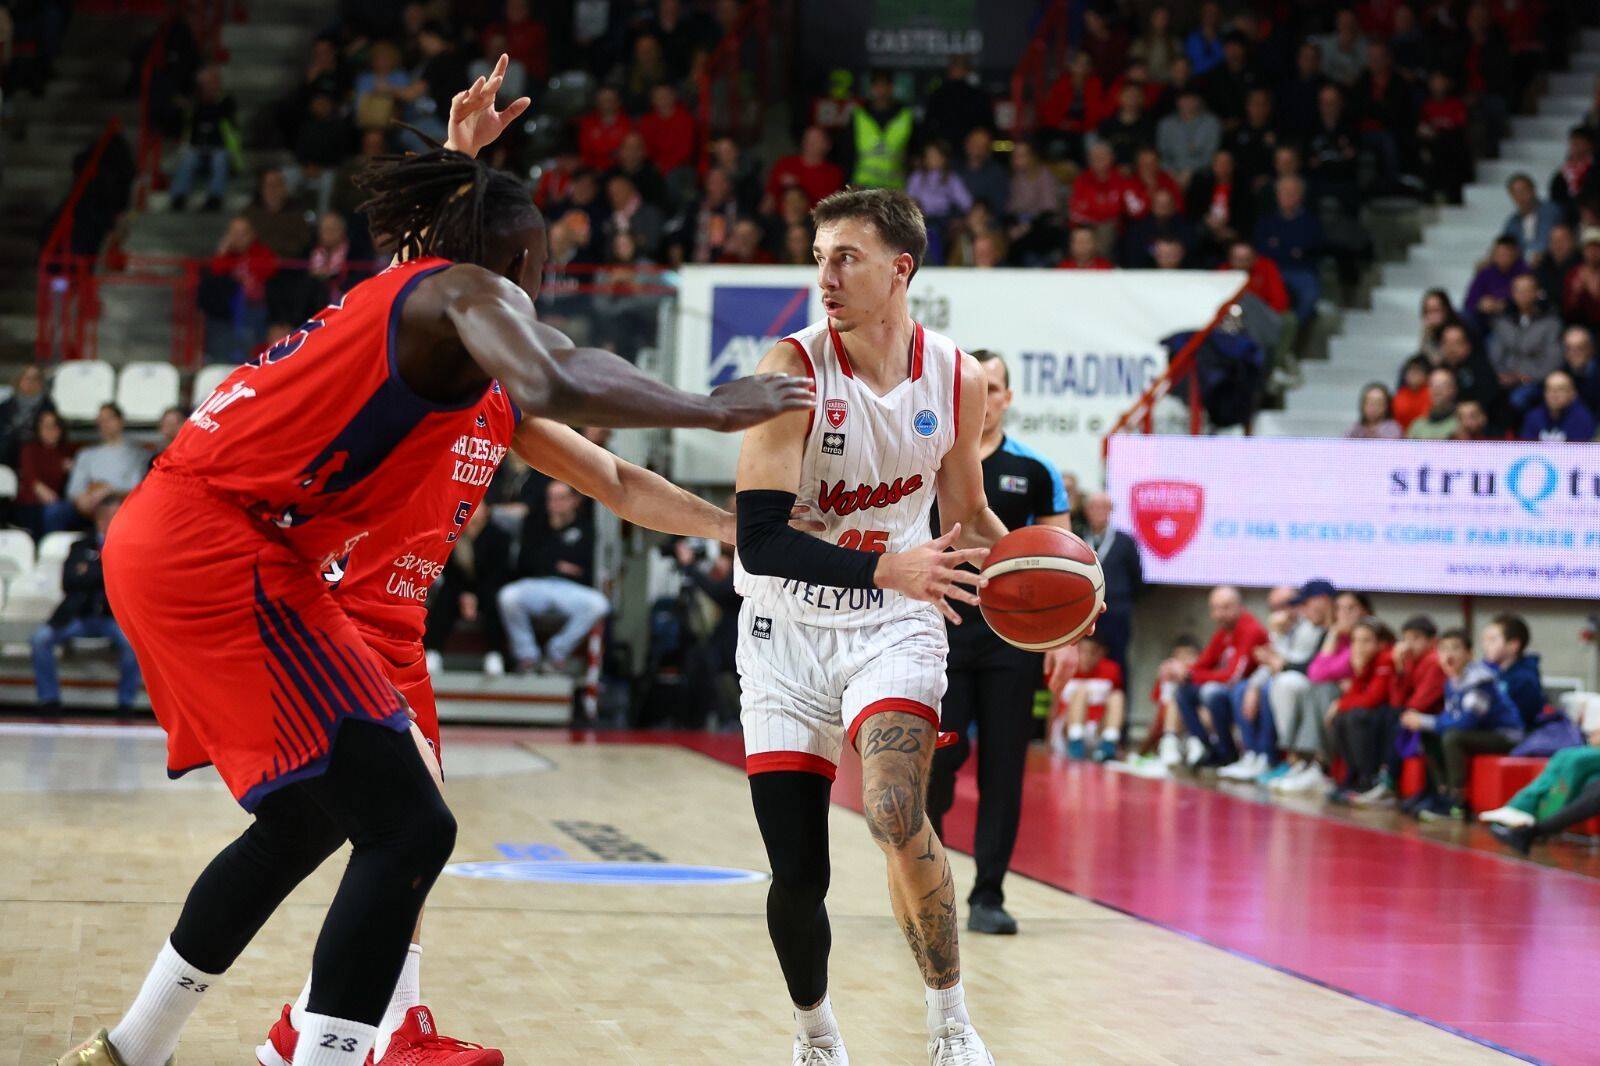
[1045,588]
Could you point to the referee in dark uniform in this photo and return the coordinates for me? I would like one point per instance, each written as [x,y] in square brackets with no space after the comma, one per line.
[992,683]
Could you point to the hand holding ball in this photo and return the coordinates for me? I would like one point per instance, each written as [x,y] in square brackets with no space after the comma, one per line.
[1044,588]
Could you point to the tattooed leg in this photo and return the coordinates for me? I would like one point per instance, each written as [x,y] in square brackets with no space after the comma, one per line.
[896,750]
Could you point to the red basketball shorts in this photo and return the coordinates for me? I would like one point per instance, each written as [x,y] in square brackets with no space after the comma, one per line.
[250,663]
[406,666]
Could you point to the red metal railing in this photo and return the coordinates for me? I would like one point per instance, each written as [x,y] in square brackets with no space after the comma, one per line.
[1042,60]
[725,66]
[1179,367]
[66,301]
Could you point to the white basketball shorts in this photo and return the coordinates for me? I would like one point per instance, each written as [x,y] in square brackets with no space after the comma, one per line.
[805,689]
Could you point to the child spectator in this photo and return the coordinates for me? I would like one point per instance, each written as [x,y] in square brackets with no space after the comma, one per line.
[1439,423]
[330,257]
[1417,685]
[1094,693]
[1306,739]
[1163,739]
[1478,717]
[1472,423]
[1364,699]
[1505,647]
[42,471]
[940,194]
[1411,398]
[1375,416]
[1562,416]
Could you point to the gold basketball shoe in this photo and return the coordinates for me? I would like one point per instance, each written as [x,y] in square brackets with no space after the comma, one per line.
[95,1052]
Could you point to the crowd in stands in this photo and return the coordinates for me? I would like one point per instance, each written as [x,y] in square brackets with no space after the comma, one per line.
[1176,135]
[1516,358]
[1325,697]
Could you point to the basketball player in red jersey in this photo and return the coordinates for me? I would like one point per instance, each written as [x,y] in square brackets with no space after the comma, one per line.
[214,570]
[841,635]
[383,584]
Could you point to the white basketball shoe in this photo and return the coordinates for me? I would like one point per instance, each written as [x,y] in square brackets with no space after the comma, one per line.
[954,1044]
[808,1054]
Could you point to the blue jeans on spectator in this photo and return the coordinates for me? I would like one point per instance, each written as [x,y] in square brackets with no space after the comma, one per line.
[1261,735]
[1218,699]
[1525,398]
[190,160]
[579,606]
[54,517]
[1305,289]
[47,638]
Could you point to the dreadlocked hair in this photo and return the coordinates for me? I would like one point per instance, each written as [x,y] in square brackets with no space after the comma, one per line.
[442,203]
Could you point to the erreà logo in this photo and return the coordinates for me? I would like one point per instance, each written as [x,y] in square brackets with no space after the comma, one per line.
[761,628]
[839,500]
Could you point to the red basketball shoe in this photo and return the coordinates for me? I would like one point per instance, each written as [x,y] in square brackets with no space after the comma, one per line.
[417,1043]
[281,1041]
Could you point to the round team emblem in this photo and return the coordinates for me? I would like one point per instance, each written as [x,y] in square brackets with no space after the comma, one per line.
[926,423]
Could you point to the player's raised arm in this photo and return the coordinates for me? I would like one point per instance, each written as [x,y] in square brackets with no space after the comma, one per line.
[635,494]
[769,474]
[962,501]
[493,319]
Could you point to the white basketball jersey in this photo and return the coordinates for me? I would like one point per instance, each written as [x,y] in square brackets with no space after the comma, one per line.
[870,471]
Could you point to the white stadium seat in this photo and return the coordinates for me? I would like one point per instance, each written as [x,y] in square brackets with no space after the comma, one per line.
[206,380]
[16,553]
[8,483]
[54,546]
[145,389]
[31,598]
[79,388]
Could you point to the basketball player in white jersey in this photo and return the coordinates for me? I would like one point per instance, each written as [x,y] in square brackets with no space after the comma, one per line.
[841,635]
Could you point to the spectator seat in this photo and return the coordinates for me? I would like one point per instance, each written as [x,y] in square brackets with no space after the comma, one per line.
[81,386]
[8,483]
[206,380]
[1494,779]
[145,389]
[30,599]
[16,554]
[55,546]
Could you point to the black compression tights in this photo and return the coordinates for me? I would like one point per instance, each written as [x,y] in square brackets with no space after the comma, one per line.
[376,793]
[792,811]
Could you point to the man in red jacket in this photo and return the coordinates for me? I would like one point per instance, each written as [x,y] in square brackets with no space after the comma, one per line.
[1214,680]
[668,130]
[810,171]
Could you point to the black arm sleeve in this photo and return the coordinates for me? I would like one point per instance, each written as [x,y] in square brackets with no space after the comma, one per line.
[768,546]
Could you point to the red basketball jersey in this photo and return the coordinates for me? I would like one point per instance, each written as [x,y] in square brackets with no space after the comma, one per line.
[383,583]
[320,437]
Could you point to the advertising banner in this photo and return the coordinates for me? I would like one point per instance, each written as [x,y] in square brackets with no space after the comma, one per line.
[1081,345]
[1493,518]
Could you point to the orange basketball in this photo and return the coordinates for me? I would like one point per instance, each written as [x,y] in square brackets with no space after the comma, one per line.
[1045,588]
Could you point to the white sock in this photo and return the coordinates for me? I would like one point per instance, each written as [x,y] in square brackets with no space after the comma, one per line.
[1074,732]
[818,1024]
[407,994]
[297,1013]
[329,1041]
[1111,736]
[947,1005]
[148,1034]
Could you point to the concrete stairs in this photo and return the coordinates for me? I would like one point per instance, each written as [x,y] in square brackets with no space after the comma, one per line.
[1375,341]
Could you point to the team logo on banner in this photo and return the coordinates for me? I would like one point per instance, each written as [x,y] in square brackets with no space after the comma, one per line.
[1166,514]
[836,411]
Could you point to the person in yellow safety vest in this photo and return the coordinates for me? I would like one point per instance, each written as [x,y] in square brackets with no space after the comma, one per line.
[882,137]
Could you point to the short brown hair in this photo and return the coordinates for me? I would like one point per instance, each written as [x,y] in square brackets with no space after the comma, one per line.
[984,355]
[895,216]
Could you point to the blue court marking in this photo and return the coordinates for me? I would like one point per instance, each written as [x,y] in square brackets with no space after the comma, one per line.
[572,872]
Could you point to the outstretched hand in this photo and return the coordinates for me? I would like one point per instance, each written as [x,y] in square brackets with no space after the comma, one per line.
[745,402]
[475,122]
[932,573]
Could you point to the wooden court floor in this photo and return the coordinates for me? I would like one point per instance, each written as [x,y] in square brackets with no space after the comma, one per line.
[98,850]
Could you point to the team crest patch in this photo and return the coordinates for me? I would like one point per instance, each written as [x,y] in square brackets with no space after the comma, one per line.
[833,443]
[482,421]
[926,423]
[761,628]
[1013,483]
[836,410]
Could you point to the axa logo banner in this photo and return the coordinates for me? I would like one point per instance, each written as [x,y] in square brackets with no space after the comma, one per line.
[1452,517]
[747,320]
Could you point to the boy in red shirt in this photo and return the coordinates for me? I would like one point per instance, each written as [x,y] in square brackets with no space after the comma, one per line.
[1417,685]
[1355,721]
[1093,693]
